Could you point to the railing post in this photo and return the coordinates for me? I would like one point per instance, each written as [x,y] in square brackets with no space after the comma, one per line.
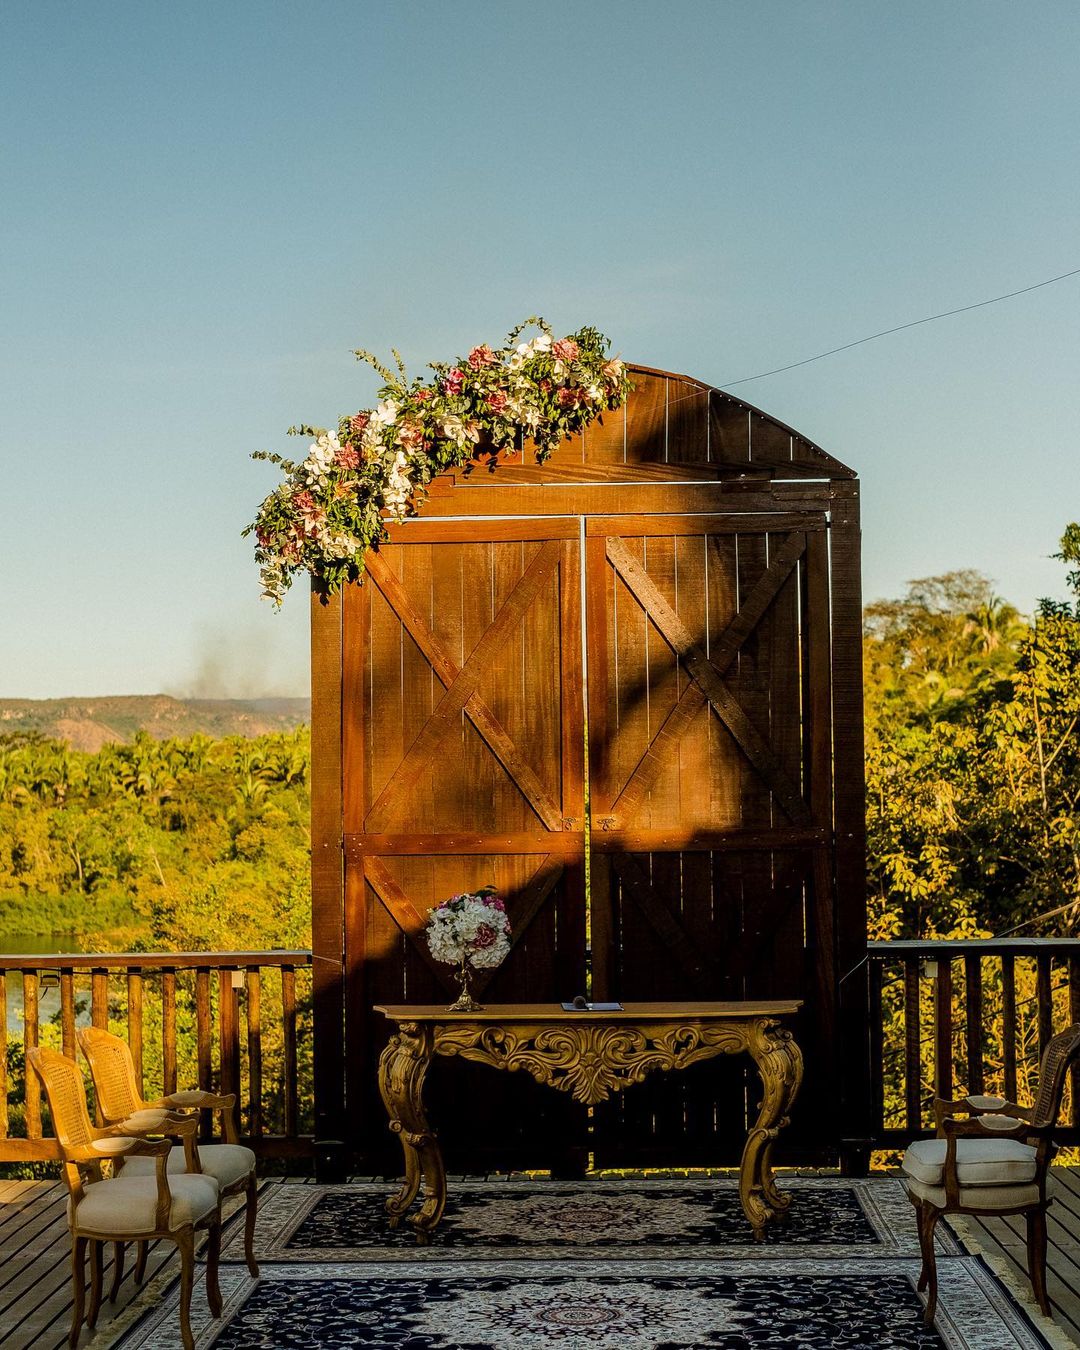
[973,1002]
[3,1056]
[943,1052]
[30,1040]
[168,1031]
[135,1023]
[229,1031]
[912,1045]
[254,1039]
[202,1039]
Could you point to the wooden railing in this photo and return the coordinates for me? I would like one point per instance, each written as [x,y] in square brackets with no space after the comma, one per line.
[226,1021]
[950,1019]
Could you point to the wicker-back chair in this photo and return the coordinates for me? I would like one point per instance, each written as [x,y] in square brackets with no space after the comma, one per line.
[230,1164]
[991,1156]
[126,1209]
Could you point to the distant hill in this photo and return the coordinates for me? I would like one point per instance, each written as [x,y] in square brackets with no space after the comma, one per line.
[90,723]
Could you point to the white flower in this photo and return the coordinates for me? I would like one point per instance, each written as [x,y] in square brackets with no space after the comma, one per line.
[454,429]
[541,343]
[320,458]
[385,414]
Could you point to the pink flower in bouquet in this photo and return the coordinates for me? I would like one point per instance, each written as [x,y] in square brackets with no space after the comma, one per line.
[358,423]
[304,502]
[568,398]
[484,937]
[410,435]
[613,369]
[566,349]
[482,356]
[422,395]
[348,457]
[454,381]
[496,401]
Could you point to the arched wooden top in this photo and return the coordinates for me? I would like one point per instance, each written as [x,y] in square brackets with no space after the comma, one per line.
[688,427]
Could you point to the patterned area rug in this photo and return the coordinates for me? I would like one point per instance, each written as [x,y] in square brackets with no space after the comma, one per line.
[773,1304]
[635,1220]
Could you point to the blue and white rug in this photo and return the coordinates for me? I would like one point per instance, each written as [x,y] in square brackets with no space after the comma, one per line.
[685,1304]
[514,1219]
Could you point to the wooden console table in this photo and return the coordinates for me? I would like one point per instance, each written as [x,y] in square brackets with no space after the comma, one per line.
[590,1055]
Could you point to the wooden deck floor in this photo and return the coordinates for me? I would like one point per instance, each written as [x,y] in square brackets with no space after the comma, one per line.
[35,1276]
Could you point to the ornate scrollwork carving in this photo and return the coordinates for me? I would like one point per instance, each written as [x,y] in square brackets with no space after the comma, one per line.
[590,1060]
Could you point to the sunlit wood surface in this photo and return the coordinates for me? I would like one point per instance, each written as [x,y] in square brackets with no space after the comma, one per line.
[35,1276]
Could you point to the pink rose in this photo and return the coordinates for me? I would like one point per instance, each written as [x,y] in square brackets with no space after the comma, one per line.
[496,401]
[348,457]
[566,349]
[454,381]
[358,423]
[486,936]
[568,398]
[422,395]
[496,903]
[482,356]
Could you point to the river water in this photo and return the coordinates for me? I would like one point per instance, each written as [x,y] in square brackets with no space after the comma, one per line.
[36,944]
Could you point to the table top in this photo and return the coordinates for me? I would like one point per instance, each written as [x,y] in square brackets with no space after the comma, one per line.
[631,1012]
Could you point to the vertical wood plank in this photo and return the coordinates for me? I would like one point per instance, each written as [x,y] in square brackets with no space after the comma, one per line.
[288,1014]
[943,1048]
[912,1046]
[327,857]
[202,1043]
[852,1048]
[1044,988]
[67,1012]
[168,1031]
[229,1040]
[99,999]
[1008,1023]
[1074,1018]
[973,1000]
[30,1040]
[254,1041]
[877,1046]
[135,1023]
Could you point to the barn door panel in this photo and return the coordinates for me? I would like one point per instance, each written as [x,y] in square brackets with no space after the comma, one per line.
[707,819]
[464,723]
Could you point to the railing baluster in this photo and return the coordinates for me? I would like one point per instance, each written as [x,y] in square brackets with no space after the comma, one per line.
[67,1012]
[288,1015]
[912,1045]
[30,1040]
[877,1047]
[202,1039]
[254,1038]
[3,1056]
[229,1032]
[943,1050]
[1008,1022]
[1044,985]
[135,1022]
[99,998]
[168,1031]
[973,1000]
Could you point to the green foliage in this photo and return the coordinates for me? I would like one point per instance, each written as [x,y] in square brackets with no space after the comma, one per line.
[179,844]
[973,759]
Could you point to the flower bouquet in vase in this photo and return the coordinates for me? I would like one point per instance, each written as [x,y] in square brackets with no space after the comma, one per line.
[470,931]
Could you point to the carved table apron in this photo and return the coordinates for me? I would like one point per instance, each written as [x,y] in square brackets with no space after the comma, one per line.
[590,1055]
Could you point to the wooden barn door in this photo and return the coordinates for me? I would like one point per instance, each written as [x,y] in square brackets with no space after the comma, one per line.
[464,766]
[710,762]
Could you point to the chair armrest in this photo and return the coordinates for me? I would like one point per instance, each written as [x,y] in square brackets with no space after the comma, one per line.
[980,1127]
[195,1099]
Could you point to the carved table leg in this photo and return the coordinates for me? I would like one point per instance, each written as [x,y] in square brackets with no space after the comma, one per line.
[779,1062]
[402,1070]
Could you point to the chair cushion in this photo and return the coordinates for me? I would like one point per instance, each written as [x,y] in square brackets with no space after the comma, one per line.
[127,1204]
[992,1198]
[226,1163]
[979,1162]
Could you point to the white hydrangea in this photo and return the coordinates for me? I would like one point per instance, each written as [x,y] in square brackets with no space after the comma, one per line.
[320,459]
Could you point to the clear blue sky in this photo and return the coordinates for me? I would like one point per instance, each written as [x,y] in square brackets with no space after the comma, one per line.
[205,207]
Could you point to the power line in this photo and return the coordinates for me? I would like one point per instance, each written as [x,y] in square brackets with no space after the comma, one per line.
[730,384]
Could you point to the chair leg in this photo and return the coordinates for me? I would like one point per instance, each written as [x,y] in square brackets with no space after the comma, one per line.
[141,1249]
[96,1250]
[926,1238]
[249,1225]
[924,1273]
[1036,1246]
[78,1287]
[119,1248]
[185,1242]
[213,1253]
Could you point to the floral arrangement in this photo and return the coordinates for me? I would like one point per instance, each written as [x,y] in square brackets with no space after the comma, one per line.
[335,504]
[471,931]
